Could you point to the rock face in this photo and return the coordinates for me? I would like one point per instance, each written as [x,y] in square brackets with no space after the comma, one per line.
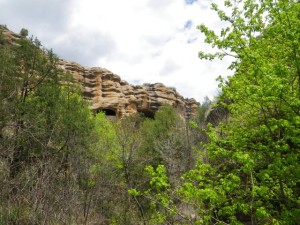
[105,91]
[9,36]
[216,114]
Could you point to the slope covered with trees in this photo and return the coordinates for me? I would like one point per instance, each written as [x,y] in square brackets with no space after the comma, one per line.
[60,164]
[45,135]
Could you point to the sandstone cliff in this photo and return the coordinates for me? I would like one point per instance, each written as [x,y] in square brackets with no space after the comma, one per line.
[106,91]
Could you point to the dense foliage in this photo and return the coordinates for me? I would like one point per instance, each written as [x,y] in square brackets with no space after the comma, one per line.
[253,170]
[61,164]
[45,130]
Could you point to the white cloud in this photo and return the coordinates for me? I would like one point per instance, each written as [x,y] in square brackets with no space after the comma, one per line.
[144,41]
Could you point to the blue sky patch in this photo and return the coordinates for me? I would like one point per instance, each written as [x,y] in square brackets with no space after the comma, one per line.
[192,40]
[189,2]
[188,25]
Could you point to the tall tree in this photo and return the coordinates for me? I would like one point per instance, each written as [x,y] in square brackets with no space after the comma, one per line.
[168,143]
[45,128]
[253,174]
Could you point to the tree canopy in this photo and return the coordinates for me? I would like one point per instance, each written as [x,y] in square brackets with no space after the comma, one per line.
[253,173]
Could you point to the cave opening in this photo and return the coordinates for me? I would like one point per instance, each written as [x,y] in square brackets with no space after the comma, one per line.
[147,113]
[107,112]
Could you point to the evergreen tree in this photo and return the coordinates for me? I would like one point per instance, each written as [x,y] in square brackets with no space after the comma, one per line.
[45,130]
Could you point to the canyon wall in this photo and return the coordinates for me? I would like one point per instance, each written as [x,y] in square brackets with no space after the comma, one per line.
[105,91]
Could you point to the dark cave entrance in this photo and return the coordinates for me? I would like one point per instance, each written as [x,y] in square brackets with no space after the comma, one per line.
[147,113]
[107,112]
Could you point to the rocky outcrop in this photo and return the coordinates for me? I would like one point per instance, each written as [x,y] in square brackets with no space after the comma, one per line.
[106,91]
[216,114]
[9,36]
[219,112]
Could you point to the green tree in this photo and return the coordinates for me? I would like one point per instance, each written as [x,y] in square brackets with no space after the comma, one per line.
[45,128]
[161,208]
[24,32]
[168,149]
[253,173]
[118,163]
[167,142]
[132,160]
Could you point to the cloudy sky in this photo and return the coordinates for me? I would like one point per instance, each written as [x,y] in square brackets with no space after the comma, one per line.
[143,41]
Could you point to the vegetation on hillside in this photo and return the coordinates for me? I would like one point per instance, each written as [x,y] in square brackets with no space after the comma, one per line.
[61,164]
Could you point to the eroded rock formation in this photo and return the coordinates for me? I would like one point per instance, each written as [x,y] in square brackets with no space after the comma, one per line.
[106,91]
[9,36]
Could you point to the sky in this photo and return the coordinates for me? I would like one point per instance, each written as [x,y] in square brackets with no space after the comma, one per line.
[142,41]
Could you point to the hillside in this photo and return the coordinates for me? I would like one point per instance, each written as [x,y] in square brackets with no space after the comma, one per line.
[238,163]
[106,91]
